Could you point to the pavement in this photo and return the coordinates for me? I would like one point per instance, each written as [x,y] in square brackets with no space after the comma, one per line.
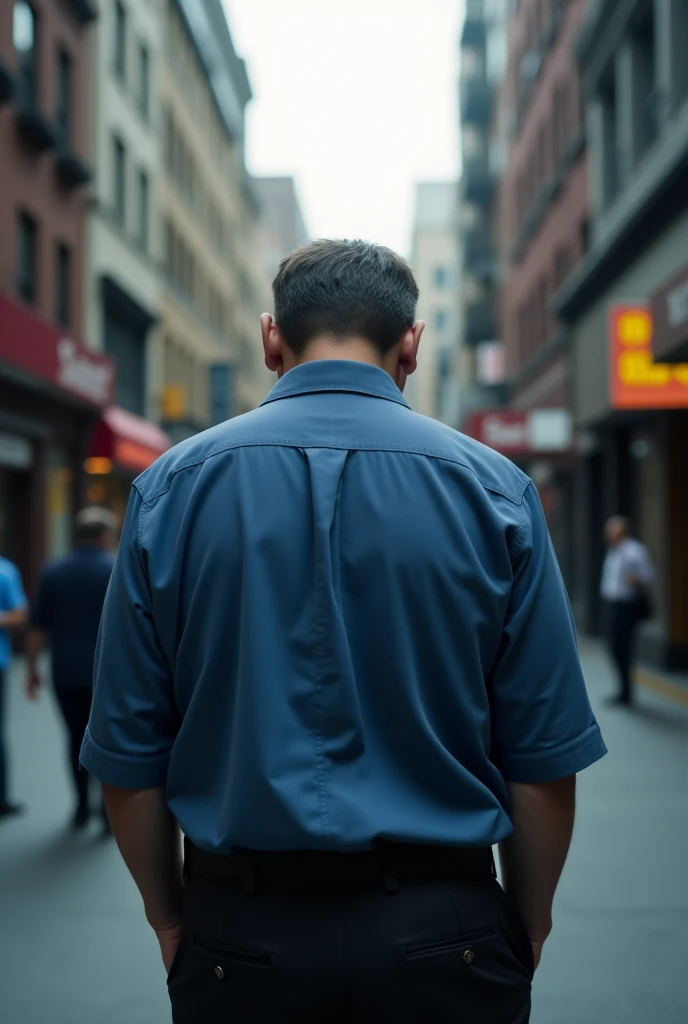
[74,948]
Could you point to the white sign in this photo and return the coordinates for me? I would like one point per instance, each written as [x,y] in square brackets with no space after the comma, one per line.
[83,375]
[15,452]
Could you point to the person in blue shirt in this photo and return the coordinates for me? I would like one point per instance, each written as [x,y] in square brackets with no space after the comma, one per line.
[338,655]
[12,616]
[66,615]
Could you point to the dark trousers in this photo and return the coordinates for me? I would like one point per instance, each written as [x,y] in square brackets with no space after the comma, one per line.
[378,950]
[75,704]
[623,620]
[4,797]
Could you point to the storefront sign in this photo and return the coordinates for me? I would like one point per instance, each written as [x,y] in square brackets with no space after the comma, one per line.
[516,432]
[32,345]
[15,452]
[124,441]
[636,380]
[669,309]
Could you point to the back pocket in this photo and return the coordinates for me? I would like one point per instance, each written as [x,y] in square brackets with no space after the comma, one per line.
[448,945]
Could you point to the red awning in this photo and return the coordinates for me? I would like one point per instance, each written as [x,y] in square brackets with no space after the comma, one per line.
[128,441]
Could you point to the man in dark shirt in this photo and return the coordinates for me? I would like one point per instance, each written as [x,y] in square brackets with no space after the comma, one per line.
[337,651]
[66,616]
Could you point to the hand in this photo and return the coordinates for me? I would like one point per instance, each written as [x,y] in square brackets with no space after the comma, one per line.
[537,952]
[33,685]
[169,938]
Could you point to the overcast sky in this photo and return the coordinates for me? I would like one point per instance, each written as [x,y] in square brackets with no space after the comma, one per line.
[356,99]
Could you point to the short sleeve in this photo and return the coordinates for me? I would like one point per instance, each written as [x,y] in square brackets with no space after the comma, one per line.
[134,721]
[543,727]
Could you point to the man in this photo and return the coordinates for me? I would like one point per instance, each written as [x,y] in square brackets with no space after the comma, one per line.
[337,652]
[66,615]
[626,576]
[12,616]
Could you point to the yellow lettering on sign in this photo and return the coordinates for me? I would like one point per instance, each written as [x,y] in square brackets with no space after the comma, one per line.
[635,328]
[637,368]
[680,373]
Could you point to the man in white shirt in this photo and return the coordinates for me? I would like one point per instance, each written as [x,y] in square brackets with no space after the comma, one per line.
[626,575]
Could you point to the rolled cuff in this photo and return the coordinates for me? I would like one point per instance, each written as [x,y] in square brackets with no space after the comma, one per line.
[555,762]
[127,771]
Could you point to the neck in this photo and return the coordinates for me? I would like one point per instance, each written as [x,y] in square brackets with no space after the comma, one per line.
[352,349]
[355,350]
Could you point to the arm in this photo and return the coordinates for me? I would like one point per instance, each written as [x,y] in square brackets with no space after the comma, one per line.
[149,840]
[533,857]
[14,619]
[35,642]
[133,725]
[543,729]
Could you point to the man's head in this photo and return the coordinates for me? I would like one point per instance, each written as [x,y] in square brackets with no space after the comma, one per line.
[95,527]
[346,300]
[616,529]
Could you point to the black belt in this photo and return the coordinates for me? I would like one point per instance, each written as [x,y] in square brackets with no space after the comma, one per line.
[389,862]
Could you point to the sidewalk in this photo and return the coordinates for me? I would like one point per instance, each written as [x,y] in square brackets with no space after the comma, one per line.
[74,948]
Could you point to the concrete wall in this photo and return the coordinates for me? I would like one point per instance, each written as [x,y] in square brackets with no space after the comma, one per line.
[113,249]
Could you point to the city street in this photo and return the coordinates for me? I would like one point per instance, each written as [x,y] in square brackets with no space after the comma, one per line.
[74,948]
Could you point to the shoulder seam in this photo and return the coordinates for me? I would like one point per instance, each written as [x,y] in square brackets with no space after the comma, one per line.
[515,496]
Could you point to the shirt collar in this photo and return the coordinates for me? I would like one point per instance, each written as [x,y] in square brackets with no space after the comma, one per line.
[337,375]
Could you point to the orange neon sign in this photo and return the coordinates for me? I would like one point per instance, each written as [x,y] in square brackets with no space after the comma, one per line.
[636,380]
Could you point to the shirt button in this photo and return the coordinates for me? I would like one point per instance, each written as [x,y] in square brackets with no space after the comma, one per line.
[468,956]
[219,973]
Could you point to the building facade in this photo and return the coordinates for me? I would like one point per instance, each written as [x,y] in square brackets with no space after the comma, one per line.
[215,283]
[123,281]
[544,218]
[630,399]
[481,366]
[284,227]
[433,388]
[52,389]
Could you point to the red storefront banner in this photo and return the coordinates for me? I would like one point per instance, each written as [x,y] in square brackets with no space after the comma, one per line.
[515,432]
[30,344]
[127,441]
[636,381]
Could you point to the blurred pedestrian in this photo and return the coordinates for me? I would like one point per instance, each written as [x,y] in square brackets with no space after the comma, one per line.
[66,616]
[627,576]
[337,651]
[12,616]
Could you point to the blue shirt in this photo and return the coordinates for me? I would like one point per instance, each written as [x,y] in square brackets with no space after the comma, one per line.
[68,606]
[333,620]
[11,598]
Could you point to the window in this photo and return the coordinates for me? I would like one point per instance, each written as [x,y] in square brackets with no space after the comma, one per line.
[120,42]
[440,320]
[27,235]
[143,210]
[144,81]
[119,180]
[24,37]
[62,285]
[441,277]
[64,96]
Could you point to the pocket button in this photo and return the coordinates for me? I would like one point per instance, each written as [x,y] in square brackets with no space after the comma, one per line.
[468,956]
[219,973]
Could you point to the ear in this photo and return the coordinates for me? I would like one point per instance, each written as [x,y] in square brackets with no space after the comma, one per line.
[408,355]
[272,343]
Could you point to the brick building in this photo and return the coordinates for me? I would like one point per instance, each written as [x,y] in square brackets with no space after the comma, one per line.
[52,388]
[543,230]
